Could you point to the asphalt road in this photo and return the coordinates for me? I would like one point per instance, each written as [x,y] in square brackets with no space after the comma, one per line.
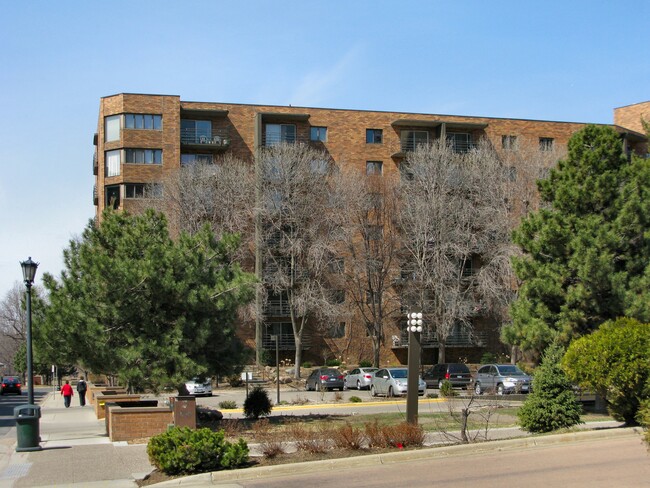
[10,401]
[619,462]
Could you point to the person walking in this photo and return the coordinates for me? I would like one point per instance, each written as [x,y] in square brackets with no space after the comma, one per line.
[81,389]
[66,392]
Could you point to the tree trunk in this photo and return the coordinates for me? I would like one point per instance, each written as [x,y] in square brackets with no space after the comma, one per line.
[463,425]
[441,351]
[298,341]
[375,352]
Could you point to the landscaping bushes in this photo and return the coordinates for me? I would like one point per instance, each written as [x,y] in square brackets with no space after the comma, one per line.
[257,404]
[181,450]
[552,404]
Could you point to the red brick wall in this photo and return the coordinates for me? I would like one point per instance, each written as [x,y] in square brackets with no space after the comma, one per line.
[138,422]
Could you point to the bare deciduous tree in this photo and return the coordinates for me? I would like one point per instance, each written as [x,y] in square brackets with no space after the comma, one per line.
[12,324]
[371,242]
[454,217]
[298,240]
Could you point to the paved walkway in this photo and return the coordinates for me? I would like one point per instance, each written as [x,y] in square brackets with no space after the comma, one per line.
[76,450]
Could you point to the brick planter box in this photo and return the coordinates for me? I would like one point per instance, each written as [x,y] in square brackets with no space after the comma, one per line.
[94,390]
[101,400]
[130,423]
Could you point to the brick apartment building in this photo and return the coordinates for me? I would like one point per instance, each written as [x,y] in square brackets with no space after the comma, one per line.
[140,138]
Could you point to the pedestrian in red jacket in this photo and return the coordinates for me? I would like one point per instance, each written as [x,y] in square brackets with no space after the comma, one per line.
[66,391]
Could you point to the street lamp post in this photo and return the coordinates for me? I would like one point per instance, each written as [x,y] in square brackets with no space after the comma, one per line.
[29,272]
[414,327]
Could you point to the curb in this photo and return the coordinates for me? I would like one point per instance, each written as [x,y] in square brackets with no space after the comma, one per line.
[223,477]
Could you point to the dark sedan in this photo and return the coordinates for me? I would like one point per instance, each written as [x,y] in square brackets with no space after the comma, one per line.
[325,379]
[10,384]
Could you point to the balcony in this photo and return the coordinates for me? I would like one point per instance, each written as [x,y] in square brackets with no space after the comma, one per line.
[216,140]
[286,342]
[270,140]
[458,339]
[95,197]
[95,165]
[277,307]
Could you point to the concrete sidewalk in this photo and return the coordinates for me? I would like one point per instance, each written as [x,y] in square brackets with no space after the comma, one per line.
[76,450]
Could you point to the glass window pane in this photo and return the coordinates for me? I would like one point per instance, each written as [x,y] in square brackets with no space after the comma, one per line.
[139,121]
[157,122]
[148,122]
[112,128]
[112,163]
[129,121]
[157,156]
[139,156]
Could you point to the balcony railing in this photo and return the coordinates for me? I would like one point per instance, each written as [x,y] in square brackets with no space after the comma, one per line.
[285,342]
[269,140]
[95,197]
[277,308]
[217,139]
[462,147]
[458,339]
[95,164]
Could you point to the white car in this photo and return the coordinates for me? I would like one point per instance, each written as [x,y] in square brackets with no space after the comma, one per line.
[359,378]
[392,382]
[198,386]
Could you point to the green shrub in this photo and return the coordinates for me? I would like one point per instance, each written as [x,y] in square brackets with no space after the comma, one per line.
[307,364]
[333,362]
[355,399]
[182,450]
[235,381]
[644,419]
[613,361]
[488,357]
[228,404]
[257,404]
[365,363]
[446,390]
[432,395]
[552,404]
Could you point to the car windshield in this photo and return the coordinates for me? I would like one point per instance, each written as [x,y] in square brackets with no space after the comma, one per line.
[399,373]
[511,370]
[329,372]
[369,370]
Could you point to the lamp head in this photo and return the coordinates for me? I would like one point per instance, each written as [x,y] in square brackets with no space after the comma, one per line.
[29,270]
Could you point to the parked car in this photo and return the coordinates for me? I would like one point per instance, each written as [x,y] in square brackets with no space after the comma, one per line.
[10,384]
[359,378]
[325,379]
[457,374]
[393,381]
[199,386]
[501,378]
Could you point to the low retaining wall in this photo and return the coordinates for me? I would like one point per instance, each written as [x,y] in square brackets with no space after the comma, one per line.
[94,390]
[101,400]
[137,422]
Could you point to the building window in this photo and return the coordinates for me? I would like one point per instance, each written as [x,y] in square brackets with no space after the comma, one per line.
[512,173]
[509,143]
[337,266]
[372,297]
[318,134]
[338,296]
[196,131]
[279,133]
[112,196]
[412,139]
[374,136]
[143,121]
[112,160]
[196,158]
[142,190]
[320,166]
[112,128]
[143,156]
[336,331]
[374,168]
[545,143]
[460,142]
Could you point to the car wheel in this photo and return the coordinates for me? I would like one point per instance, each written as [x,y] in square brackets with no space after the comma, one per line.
[389,394]
[500,389]
[373,393]
[358,385]
[477,389]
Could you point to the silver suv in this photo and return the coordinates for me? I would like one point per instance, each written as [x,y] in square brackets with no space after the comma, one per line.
[501,378]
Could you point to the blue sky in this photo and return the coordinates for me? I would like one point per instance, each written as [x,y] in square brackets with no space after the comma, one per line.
[553,60]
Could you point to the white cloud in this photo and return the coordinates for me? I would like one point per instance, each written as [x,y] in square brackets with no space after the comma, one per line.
[314,87]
